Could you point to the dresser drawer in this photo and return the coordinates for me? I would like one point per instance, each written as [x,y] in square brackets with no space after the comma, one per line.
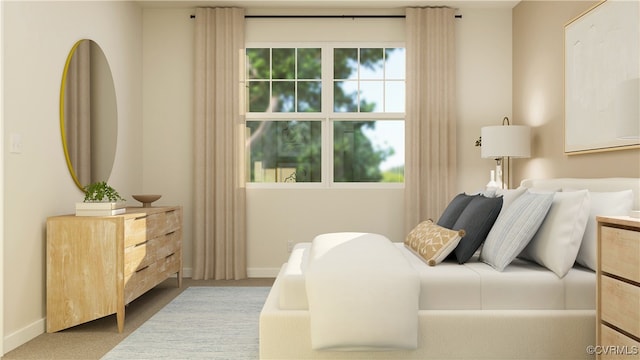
[141,255]
[615,345]
[620,304]
[142,280]
[139,282]
[173,220]
[620,252]
[167,244]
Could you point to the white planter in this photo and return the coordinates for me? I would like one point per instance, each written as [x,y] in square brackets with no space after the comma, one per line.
[100,208]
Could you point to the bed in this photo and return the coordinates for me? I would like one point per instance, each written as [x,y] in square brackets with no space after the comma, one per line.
[528,310]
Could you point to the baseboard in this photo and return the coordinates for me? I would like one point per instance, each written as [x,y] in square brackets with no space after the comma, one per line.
[24,335]
[251,272]
[262,272]
[31,331]
[187,272]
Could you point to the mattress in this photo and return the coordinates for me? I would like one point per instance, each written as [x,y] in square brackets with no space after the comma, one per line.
[472,286]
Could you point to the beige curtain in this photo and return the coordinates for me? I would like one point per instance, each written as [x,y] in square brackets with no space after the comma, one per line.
[219,210]
[77,111]
[430,129]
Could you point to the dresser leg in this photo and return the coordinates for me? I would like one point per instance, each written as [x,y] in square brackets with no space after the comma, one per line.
[120,319]
[179,276]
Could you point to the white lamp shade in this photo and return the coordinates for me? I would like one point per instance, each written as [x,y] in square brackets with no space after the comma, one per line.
[506,141]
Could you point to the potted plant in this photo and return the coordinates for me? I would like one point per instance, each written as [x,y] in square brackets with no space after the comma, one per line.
[100,199]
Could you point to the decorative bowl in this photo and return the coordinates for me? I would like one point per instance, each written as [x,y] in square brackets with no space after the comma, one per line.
[146,200]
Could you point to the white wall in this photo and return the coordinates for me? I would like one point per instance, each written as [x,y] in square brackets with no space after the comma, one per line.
[278,216]
[37,37]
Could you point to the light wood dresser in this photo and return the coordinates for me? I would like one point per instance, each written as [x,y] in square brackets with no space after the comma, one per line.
[97,265]
[618,288]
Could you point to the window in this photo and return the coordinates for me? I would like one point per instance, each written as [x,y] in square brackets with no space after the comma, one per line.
[284,80]
[325,114]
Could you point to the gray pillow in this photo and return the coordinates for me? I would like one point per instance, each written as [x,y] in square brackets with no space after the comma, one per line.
[514,229]
[476,220]
[451,214]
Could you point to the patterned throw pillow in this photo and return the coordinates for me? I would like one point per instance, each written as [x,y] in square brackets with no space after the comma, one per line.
[432,242]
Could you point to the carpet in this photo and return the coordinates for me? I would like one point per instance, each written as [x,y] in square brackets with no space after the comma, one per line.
[200,323]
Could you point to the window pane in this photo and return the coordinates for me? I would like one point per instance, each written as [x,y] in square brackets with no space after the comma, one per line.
[395,63]
[345,96]
[371,64]
[309,64]
[345,64]
[258,64]
[394,96]
[258,96]
[284,94]
[284,151]
[368,151]
[284,63]
[371,96]
[309,95]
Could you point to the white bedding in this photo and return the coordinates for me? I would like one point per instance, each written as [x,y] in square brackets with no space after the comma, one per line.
[468,311]
[347,274]
[472,286]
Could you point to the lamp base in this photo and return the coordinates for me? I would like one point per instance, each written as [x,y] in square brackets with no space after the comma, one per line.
[499,175]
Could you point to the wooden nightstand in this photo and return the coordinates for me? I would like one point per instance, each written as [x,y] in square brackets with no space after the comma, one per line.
[618,288]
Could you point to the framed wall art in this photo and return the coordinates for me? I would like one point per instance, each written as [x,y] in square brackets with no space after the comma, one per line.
[601,77]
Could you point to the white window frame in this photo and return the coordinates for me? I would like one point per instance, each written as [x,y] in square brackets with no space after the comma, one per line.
[327,116]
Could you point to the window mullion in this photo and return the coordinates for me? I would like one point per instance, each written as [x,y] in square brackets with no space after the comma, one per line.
[327,108]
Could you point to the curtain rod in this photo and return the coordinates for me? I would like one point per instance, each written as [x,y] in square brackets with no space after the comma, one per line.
[326,16]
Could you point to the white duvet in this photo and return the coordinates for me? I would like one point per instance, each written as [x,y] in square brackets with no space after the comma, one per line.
[363,294]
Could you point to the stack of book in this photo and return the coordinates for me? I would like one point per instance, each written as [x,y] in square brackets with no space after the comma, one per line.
[100,208]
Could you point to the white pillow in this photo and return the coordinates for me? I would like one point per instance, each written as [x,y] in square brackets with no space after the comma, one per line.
[556,244]
[617,203]
[514,228]
[508,195]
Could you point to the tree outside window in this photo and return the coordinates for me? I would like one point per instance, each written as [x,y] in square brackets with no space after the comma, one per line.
[286,145]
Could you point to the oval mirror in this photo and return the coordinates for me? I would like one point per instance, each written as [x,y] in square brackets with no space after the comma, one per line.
[88,114]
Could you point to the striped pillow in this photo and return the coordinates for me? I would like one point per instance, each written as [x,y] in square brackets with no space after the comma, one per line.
[514,229]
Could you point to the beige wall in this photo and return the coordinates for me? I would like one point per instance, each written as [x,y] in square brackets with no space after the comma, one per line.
[276,217]
[538,101]
[167,107]
[37,37]
[150,52]
[483,87]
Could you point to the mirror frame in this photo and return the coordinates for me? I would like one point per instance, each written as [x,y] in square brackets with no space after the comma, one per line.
[63,131]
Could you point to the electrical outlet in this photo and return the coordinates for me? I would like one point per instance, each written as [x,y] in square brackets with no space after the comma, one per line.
[15,143]
[290,245]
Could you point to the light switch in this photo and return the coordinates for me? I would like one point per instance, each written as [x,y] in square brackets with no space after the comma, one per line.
[15,143]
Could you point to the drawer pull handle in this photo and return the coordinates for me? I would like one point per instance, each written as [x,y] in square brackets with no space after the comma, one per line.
[170,233]
[141,269]
[170,255]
